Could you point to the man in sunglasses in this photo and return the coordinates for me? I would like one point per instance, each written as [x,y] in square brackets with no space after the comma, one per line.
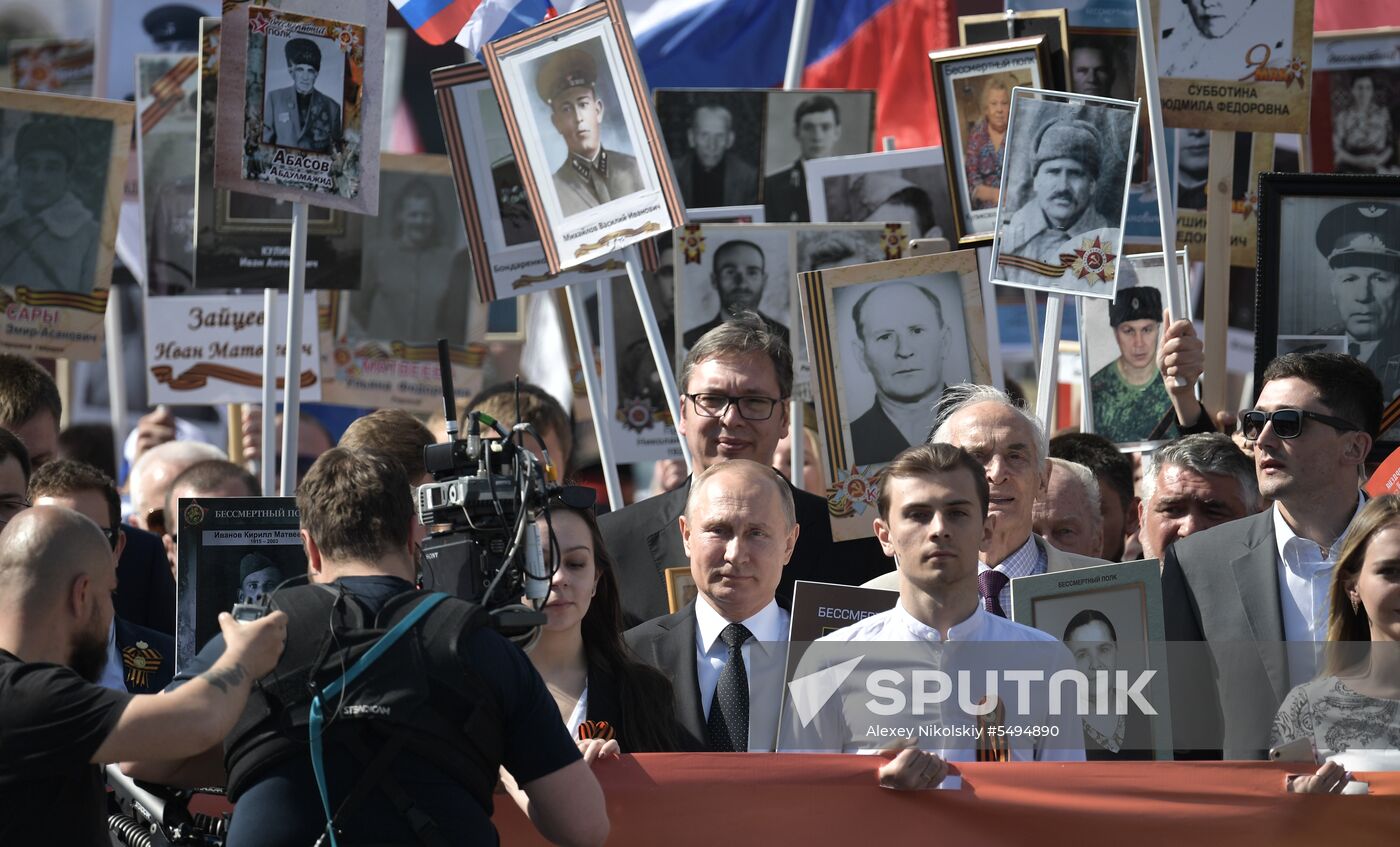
[735,384]
[139,660]
[1249,585]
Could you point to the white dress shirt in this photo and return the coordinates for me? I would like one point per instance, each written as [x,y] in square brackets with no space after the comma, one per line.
[845,722]
[765,671]
[1028,560]
[580,713]
[1304,577]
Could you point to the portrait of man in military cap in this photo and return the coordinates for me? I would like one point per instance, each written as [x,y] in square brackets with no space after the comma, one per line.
[149,26]
[1061,215]
[590,175]
[49,237]
[303,114]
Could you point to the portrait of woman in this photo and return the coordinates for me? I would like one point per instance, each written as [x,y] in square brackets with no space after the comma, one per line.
[1355,704]
[1363,137]
[986,142]
[1093,641]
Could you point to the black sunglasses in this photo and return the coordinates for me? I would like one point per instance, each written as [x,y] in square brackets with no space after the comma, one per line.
[1288,423]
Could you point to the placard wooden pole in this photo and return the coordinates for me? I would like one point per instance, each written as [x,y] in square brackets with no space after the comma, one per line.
[116,372]
[792,79]
[267,451]
[633,260]
[1049,360]
[583,338]
[291,388]
[1033,321]
[63,380]
[235,432]
[1220,181]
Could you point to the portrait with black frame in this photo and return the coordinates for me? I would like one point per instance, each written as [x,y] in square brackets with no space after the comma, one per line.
[1329,266]
[1051,23]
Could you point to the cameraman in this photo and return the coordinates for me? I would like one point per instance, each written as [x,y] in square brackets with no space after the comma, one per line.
[57,573]
[388,781]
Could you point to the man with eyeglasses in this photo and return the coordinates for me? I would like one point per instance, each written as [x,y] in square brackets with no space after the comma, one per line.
[739,277]
[14,477]
[1248,585]
[139,660]
[735,384]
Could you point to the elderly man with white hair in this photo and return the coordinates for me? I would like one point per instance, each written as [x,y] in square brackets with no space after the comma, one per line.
[1194,483]
[1010,444]
[1068,516]
[152,475]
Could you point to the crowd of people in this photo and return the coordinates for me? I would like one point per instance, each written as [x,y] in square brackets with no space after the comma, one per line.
[1258,550]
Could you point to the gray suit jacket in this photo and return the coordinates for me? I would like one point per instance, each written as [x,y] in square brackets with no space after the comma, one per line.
[1221,587]
[1055,560]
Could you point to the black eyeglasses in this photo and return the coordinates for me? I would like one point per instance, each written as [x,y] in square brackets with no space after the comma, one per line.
[750,408]
[1288,423]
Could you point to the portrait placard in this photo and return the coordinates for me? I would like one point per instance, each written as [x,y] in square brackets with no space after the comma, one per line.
[715,141]
[416,286]
[1098,14]
[231,550]
[1329,265]
[806,125]
[1239,65]
[49,21]
[886,339]
[1053,24]
[130,28]
[972,88]
[680,588]
[1120,338]
[1355,97]
[1110,618]
[64,162]
[1254,154]
[299,108]
[167,125]
[53,66]
[640,421]
[506,254]
[901,185]
[821,608]
[1064,192]
[595,183]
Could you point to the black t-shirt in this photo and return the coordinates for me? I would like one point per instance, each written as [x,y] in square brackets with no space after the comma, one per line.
[51,722]
[284,807]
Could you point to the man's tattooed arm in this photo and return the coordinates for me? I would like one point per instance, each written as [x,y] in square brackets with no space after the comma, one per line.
[225,678]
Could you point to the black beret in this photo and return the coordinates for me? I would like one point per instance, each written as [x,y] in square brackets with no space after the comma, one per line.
[1138,303]
[1362,234]
[303,51]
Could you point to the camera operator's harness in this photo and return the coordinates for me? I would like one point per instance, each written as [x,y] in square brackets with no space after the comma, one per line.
[383,694]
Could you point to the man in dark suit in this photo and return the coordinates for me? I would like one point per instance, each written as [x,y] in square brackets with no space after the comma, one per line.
[709,173]
[1247,586]
[735,383]
[725,651]
[740,275]
[145,658]
[299,115]
[817,126]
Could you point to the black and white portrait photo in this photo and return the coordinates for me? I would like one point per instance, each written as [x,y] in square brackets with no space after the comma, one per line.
[1066,189]
[805,126]
[905,343]
[1050,23]
[1120,337]
[909,186]
[50,218]
[972,87]
[735,268]
[1223,39]
[1192,166]
[305,90]
[138,27]
[715,139]
[416,281]
[1363,107]
[505,189]
[1103,63]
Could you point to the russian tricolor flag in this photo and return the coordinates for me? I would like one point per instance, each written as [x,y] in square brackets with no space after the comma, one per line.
[478,21]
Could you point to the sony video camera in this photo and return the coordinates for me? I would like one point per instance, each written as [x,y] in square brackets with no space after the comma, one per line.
[481,506]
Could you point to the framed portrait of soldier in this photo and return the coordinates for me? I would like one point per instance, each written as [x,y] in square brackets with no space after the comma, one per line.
[1329,266]
[300,102]
[1239,65]
[972,89]
[715,141]
[1355,101]
[642,430]
[506,255]
[1064,192]
[595,168]
[910,186]
[1104,63]
[886,339]
[1127,399]
[806,126]
[129,28]
[1254,154]
[1053,24]
[64,159]
[1110,618]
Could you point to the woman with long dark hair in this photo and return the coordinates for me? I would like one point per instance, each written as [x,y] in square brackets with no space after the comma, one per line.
[1355,704]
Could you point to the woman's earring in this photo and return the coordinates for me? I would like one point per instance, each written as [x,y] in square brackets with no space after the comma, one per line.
[1355,603]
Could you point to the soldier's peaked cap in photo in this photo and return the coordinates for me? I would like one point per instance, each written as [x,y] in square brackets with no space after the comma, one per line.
[569,68]
[1361,234]
[1069,139]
